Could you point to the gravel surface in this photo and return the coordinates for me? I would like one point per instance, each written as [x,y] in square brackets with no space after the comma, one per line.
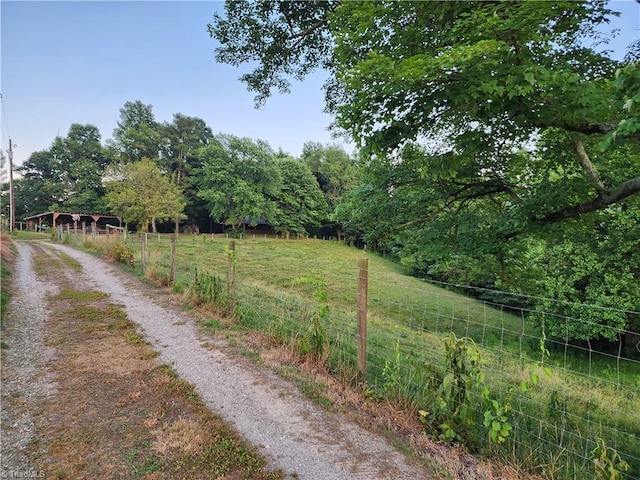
[294,434]
[25,381]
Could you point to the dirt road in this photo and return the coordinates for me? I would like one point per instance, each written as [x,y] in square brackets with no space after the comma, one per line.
[293,434]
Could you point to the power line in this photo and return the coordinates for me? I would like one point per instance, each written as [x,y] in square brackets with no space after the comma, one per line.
[4,119]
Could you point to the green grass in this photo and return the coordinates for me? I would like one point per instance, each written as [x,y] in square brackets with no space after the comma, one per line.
[30,235]
[556,423]
[80,295]
[5,289]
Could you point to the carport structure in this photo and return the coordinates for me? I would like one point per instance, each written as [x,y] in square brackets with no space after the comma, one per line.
[54,218]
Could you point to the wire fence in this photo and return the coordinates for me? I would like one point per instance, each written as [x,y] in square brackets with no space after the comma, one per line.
[481,372]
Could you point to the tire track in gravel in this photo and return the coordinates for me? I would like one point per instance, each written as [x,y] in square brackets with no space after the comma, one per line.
[294,434]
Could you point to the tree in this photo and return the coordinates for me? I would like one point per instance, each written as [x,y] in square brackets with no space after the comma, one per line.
[67,175]
[142,194]
[333,168]
[299,202]
[181,141]
[336,173]
[590,285]
[284,38]
[238,181]
[459,73]
[137,134]
[39,183]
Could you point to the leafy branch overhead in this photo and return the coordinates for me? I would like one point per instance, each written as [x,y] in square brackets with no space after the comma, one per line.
[484,87]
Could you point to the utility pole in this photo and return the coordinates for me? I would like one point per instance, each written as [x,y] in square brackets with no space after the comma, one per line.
[12,211]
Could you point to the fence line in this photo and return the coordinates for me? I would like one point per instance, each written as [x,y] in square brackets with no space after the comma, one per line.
[560,396]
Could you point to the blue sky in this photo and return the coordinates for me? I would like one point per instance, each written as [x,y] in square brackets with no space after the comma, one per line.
[79,62]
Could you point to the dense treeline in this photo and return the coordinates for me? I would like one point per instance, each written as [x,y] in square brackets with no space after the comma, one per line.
[498,149]
[178,175]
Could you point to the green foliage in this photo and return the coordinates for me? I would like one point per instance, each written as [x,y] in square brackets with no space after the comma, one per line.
[314,340]
[239,178]
[590,278]
[607,463]
[299,202]
[281,52]
[453,407]
[497,422]
[391,372]
[463,398]
[335,171]
[143,194]
[208,289]
[137,134]
[121,252]
[67,176]
[179,154]
[627,85]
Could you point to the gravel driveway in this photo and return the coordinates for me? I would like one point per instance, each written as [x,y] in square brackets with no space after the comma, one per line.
[294,434]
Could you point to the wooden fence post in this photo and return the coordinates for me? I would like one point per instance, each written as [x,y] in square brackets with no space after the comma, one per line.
[363,289]
[173,258]
[231,278]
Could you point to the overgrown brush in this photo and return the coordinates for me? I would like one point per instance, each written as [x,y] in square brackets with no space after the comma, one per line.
[207,289]
[313,340]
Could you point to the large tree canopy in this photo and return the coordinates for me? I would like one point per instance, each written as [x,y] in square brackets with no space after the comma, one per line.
[300,203]
[238,180]
[137,134]
[181,141]
[68,174]
[287,39]
[474,81]
[335,171]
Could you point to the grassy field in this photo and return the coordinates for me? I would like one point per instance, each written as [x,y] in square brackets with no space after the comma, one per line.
[304,293]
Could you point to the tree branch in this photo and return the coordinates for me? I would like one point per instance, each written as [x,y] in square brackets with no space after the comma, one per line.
[309,30]
[604,199]
[301,35]
[586,163]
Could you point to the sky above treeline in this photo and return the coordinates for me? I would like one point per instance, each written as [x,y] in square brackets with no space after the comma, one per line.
[80,61]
